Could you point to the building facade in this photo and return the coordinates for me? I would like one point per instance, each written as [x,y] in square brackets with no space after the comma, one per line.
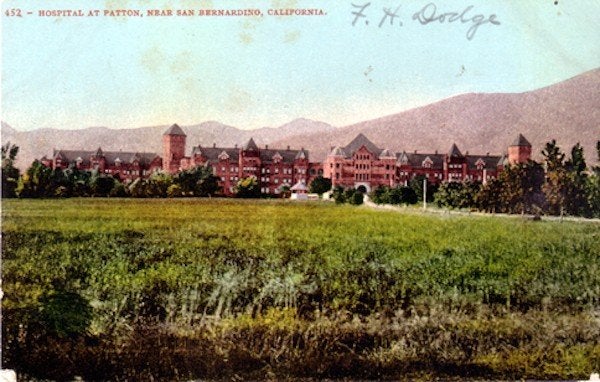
[127,166]
[275,170]
[362,163]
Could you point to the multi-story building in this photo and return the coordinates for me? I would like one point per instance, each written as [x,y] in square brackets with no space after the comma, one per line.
[362,163]
[125,165]
[274,169]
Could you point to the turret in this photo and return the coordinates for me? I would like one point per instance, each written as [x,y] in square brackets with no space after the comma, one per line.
[519,151]
[173,148]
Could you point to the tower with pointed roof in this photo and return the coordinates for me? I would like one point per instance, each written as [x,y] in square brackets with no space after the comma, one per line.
[249,160]
[173,148]
[455,165]
[519,151]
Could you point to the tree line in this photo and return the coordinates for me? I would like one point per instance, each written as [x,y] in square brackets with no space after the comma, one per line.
[40,181]
[556,186]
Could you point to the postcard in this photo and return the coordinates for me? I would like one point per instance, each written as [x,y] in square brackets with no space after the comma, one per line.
[300,189]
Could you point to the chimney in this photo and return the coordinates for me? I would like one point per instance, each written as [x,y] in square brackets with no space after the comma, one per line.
[288,147]
[466,153]
[214,145]
[435,152]
[235,146]
[266,147]
[487,154]
[415,151]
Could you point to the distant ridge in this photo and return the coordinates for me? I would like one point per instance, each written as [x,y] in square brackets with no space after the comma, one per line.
[479,123]
[568,111]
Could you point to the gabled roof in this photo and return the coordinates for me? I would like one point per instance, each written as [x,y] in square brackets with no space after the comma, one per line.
[337,151]
[360,141]
[455,152]
[521,141]
[386,154]
[502,161]
[301,154]
[402,158]
[223,155]
[72,156]
[287,156]
[416,160]
[251,145]
[213,153]
[300,186]
[490,162]
[174,130]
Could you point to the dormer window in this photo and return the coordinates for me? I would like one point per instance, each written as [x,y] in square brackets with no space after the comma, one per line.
[223,156]
[427,163]
[118,162]
[480,164]
[78,161]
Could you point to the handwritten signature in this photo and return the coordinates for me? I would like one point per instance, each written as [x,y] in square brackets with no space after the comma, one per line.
[429,14]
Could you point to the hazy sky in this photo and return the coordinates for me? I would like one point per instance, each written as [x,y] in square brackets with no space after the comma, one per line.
[249,72]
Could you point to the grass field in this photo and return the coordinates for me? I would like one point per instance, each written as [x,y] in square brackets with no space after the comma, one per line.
[201,288]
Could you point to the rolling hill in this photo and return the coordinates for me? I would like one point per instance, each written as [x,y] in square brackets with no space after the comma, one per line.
[478,123]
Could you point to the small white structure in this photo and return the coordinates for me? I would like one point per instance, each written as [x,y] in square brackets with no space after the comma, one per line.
[299,191]
[7,375]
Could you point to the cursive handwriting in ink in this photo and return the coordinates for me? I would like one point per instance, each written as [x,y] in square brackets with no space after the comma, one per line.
[359,14]
[428,14]
[388,13]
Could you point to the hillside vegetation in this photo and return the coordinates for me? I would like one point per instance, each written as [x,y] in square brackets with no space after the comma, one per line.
[212,288]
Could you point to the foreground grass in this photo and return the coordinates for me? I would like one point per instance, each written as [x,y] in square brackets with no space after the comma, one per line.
[273,288]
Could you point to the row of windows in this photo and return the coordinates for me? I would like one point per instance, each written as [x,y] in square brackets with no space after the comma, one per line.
[267,190]
[275,180]
[363,157]
[361,176]
[362,166]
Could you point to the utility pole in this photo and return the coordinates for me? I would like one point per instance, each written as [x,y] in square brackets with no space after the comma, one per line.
[425,193]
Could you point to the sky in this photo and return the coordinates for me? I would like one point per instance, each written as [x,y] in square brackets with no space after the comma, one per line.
[251,72]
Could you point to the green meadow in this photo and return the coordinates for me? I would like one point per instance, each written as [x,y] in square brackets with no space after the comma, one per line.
[220,288]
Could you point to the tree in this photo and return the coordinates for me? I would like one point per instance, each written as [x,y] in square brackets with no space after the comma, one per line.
[565,187]
[416,184]
[354,196]
[488,198]
[521,188]
[320,185]
[338,195]
[247,188]
[10,174]
[35,182]
[554,158]
[593,187]
[198,181]
[100,184]
[380,195]
[158,184]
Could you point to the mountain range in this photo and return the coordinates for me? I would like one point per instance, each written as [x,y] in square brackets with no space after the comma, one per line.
[568,112]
